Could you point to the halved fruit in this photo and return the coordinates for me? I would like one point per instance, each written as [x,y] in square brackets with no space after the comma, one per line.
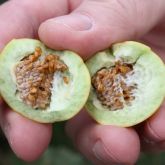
[128,84]
[43,84]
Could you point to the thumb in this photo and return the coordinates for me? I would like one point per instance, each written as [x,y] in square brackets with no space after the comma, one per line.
[95,25]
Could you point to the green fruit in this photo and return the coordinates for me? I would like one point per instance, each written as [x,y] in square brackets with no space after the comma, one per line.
[43,84]
[128,84]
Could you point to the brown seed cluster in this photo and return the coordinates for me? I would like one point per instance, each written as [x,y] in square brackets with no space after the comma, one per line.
[34,75]
[111,88]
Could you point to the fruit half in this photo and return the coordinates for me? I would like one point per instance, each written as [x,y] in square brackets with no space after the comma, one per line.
[128,84]
[43,84]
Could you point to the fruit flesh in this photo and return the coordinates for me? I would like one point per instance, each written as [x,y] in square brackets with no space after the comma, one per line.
[111,86]
[69,90]
[34,76]
[149,75]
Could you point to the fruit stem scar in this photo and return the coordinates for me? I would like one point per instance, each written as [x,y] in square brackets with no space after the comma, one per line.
[111,87]
[34,76]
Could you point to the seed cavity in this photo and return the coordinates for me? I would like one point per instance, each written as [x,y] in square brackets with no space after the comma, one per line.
[34,76]
[111,86]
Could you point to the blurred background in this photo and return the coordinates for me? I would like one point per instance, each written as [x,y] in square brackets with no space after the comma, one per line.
[62,152]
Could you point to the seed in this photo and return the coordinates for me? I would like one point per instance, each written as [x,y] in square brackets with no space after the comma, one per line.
[66,79]
[44,93]
[32,58]
[124,69]
[109,83]
[50,69]
[31,98]
[33,90]
[45,66]
[38,50]
[52,65]
[37,54]
[100,87]
[49,57]
[42,106]
[34,75]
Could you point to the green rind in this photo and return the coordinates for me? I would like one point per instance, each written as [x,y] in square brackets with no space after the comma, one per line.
[15,51]
[151,98]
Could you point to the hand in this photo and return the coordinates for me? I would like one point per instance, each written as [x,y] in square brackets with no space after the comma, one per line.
[85,26]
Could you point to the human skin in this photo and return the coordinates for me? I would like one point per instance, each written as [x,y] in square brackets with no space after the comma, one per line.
[85,26]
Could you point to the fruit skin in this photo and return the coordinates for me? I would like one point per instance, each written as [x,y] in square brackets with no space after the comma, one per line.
[152,84]
[73,97]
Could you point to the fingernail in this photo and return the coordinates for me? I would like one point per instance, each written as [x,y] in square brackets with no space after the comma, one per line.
[102,154]
[76,22]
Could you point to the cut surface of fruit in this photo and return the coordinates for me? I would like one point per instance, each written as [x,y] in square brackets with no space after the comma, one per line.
[43,84]
[112,87]
[34,76]
[127,84]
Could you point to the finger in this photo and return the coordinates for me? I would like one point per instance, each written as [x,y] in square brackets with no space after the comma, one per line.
[95,25]
[152,133]
[20,19]
[27,139]
[155,39]
[103,144]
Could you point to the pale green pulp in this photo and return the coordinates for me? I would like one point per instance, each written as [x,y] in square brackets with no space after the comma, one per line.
[149,75]
[66,99]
